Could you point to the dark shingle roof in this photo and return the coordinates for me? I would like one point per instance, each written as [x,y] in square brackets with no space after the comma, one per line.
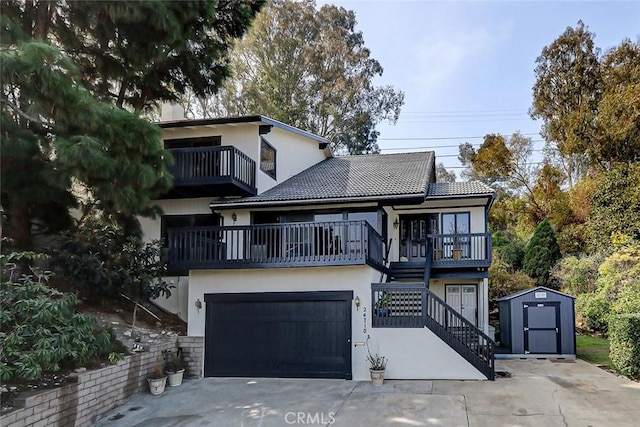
[444,189]
[352,177]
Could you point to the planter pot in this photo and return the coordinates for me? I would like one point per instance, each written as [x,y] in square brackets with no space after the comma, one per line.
[457,254]
[157,385]
[383,312]
[377,376]
[437,254]
[175,378]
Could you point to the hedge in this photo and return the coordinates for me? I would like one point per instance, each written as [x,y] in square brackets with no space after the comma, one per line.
[624,339]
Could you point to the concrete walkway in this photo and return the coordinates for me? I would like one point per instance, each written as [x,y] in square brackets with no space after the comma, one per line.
[539,393]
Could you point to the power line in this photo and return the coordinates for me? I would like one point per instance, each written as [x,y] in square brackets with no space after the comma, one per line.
[432,138]
[445,146]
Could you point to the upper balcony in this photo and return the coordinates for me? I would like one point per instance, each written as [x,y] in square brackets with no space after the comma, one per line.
[212,171]
[300,244]
[460,250]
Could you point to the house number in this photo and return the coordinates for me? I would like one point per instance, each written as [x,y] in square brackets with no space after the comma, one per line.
[364,318]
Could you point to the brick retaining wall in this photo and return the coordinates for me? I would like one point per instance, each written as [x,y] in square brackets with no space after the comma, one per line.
[97,392]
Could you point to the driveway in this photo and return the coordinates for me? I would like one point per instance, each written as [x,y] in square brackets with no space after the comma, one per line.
[538,393]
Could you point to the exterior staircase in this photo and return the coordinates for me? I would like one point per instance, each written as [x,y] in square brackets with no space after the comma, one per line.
[411,304]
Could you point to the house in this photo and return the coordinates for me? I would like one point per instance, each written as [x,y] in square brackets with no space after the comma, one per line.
[292,262]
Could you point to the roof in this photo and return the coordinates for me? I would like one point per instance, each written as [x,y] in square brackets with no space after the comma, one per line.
[350,178]
[240,119]
[449,189]
[536,289]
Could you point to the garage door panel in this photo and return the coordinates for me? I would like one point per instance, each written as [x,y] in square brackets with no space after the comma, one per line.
[279,335]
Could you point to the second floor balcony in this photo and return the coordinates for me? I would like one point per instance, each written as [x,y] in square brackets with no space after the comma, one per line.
[301,244]
[212,171]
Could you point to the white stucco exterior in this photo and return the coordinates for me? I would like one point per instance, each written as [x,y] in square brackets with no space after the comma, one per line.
[414,353]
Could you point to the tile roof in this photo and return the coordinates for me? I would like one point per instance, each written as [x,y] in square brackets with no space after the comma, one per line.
[352,177]
[444,189]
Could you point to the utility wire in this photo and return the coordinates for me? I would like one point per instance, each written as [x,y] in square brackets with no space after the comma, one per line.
[433,138]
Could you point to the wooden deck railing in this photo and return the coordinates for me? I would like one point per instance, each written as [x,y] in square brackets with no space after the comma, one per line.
[456,250]
[210,165]
[275,245]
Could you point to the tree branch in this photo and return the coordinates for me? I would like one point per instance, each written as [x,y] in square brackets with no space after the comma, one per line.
[24,115]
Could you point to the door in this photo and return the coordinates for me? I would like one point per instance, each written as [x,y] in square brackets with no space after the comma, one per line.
[464,299]
[413,238]
[278,334]
[541,327]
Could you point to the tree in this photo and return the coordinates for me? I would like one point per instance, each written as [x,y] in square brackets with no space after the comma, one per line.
[67,69]
[443,175]
[541,254]
[589,104]
[566,95]
[616,203]
[310,68]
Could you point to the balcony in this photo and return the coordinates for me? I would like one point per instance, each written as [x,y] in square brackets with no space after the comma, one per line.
[460,250]
[212,171]
[303,244]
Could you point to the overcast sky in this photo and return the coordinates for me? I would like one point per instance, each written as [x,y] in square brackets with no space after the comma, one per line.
[467,68]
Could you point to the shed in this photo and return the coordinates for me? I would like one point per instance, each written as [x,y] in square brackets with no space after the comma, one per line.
[538,321]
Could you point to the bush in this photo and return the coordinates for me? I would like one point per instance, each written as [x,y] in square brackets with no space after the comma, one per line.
[503,282]
[624,339]
[577,275]
[541,254]
[595,309]
[41,330]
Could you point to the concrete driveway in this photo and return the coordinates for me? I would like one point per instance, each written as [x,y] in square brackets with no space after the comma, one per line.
[538,393]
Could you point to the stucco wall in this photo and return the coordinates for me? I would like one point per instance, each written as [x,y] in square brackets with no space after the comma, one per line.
[413,353]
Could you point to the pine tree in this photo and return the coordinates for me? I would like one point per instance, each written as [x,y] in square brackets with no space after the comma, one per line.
[75,77]
[541,254]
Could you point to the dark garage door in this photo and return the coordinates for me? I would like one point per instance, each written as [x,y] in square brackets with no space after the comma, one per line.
[279,334]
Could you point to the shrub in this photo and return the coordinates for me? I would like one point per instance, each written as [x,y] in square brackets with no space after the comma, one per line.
[41,330]
[503,282]
[541,254]
[577,275]
[595,309]
[624,339]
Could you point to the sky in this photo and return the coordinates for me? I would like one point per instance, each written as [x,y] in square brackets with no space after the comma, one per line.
[467,68]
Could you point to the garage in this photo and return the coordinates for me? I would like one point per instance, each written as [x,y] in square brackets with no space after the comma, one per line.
[538,321]
[278,334]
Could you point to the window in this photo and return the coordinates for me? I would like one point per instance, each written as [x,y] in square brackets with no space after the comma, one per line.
[267,158]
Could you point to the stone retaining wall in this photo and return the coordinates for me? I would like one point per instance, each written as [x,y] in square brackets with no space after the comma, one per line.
[98,391]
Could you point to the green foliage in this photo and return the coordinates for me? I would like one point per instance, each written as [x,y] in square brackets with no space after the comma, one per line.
[511,251]
[101,262]
[541,254]
[41,330]
[624,336]
[616,203]
[308,66]
[504,281]
[618,288]
[577,274]
[594,309]
[69,70]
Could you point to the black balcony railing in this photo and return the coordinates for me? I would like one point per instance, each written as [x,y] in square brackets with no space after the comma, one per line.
[212,165]
[275,245]
[413,305]
[461,250]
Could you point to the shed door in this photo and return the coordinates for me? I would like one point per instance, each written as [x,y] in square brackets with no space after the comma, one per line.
[278,334]
[541,327]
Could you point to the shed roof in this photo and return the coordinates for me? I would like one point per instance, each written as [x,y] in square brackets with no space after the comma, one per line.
[536,289]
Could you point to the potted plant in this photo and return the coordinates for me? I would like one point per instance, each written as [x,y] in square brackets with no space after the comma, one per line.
[382,308]
[174,367]
[378,364]
[157,380]
[457,249]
